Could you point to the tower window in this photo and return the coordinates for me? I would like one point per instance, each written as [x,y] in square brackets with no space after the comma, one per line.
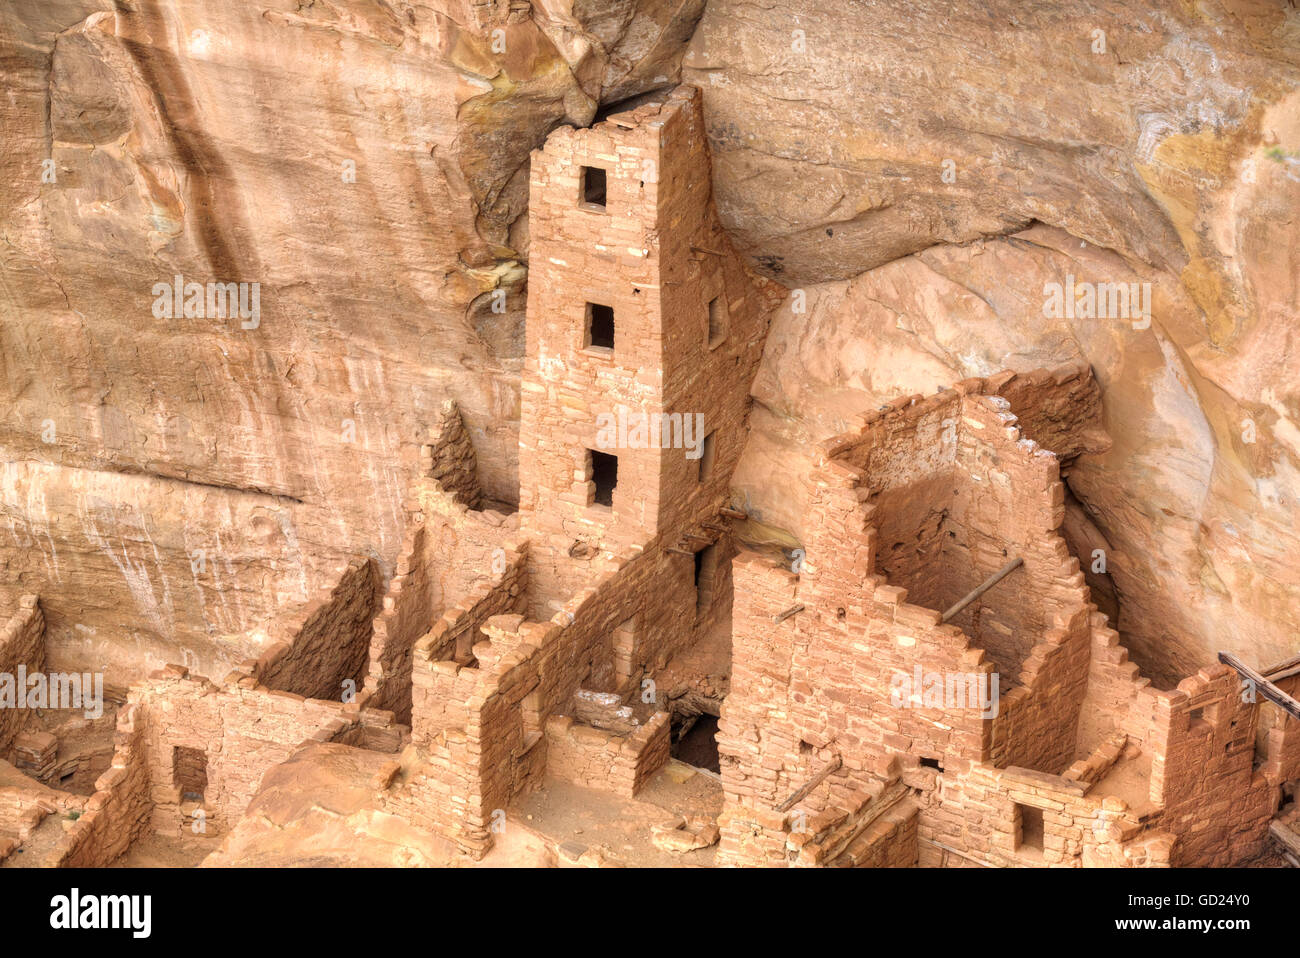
[604,476]
[600,327]
[707,455]
[717,321]
[593,188]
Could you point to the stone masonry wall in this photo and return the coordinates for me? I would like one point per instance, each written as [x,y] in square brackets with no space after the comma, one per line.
[813,687]
[606,760]
[480,721]
[449,554]
[118,812]
[241,730]
[451,640]
[817,686]
[609,257]
[407,610]
[975,814]
[1009,490]
[655,254]
[1203,773]
[449,457]
[22,642]
[333,644]
[704,374]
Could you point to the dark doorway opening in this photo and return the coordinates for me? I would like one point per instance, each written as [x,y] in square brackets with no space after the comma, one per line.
[190,772]
[695,742]
[604,474]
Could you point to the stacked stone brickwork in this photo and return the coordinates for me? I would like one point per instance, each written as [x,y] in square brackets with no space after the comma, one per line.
[595,597]
[332,646]
[119,811]
[977,814]
[450,555]
[240,729]
[909,513]
[603,759]
[449,457]
[22,643]
[656,254]
[1203,774]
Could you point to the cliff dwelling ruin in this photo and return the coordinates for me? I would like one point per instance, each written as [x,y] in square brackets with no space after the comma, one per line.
[627,667]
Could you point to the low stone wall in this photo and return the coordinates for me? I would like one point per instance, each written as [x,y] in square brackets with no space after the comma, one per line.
[22,643]
[452,638]
[407,610]
[117,814]
[236,732]
[978,813]
[478,745]
[479,703]
[605,760]
[881,832]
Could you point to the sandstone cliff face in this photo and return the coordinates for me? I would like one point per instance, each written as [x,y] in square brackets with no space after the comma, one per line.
[168,483]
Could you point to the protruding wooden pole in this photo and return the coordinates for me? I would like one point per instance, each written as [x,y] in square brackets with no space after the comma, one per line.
[989,583]
[793,610]
[812,783]
[1284,669]
[1285,837]
[1262,685]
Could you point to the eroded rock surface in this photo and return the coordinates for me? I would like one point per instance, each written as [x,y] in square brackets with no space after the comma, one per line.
[170,482]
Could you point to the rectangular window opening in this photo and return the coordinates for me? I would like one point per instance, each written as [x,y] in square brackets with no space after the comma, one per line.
[604,476]
[600,327]
[593,187]
[1030,827]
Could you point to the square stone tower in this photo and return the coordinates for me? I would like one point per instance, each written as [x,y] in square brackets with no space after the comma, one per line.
[643,333]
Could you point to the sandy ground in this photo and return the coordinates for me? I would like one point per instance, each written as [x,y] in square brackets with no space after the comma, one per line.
[578,821]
